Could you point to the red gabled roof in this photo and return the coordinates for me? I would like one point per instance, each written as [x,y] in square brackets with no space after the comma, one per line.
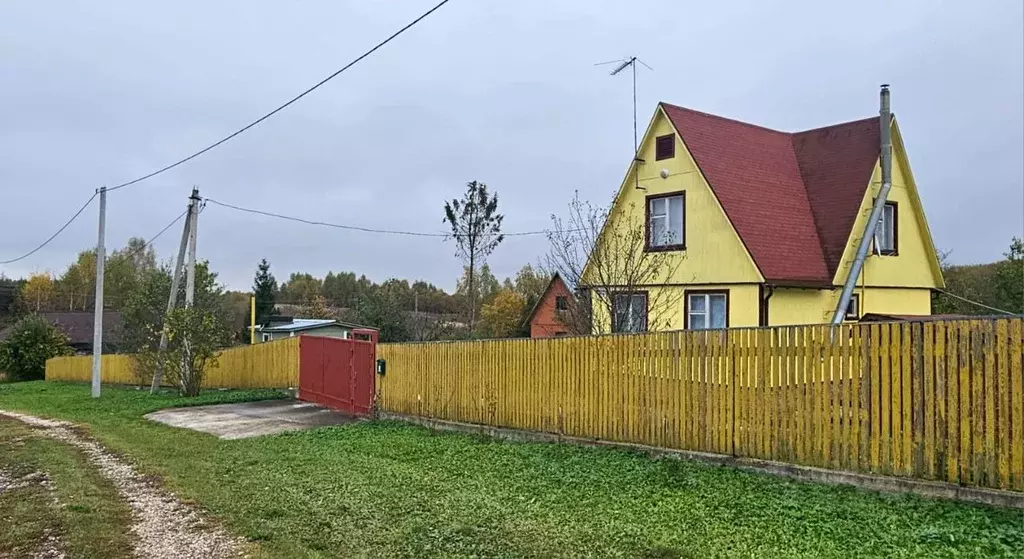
[792,197]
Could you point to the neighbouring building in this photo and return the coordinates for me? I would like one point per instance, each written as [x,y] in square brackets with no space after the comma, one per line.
[549,315]
[286,327]
[762,226]
[78,326]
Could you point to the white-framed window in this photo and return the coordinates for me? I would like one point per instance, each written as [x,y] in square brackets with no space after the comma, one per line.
[853,308]
[707,309]
[266,337]
[665,221]
[629,312]
[887,230]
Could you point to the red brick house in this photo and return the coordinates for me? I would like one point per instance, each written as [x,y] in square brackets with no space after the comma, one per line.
[544,319]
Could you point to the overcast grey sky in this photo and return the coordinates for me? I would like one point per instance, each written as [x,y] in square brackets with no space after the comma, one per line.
[505,92]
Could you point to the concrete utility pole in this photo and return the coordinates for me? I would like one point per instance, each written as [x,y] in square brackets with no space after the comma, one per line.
[190,271]
[97,325]
[172,299]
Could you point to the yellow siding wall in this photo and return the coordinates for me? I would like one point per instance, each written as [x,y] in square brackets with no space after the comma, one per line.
[714,252]
[801,306]
[915,265]
[266,365]
[665,307]
[791,306]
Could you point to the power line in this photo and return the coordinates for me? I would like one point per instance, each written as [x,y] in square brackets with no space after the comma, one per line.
[54,236]
[282,107]
[982,305]
[356,227]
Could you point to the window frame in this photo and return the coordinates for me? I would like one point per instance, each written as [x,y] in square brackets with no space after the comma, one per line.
[681,245]
[615,311]
[895,250]
[686,305]
[561,299]
[266,337]
[668,140]
[855,303]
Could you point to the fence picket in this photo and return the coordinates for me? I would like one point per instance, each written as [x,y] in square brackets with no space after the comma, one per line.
[940,400]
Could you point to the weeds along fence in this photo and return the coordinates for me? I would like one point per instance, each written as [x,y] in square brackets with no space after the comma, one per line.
[267,365]
[936,400]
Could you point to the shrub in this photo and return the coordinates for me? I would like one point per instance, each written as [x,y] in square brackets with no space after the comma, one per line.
[33,340]
[193,338]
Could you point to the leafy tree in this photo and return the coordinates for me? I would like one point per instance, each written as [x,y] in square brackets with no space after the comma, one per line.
[38,292]
[380,310]
[476,228]
[264,287]
[486,285]
[145,308]
[10,293]
[77,285]
[301,288]
[1009,280]
[194,335]
[317,308]
[124,268]
[31,342]
[502,317]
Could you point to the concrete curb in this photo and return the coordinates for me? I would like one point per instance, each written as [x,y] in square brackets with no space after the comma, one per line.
[871,482]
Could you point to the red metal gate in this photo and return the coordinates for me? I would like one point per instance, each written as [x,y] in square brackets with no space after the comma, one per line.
[339,374]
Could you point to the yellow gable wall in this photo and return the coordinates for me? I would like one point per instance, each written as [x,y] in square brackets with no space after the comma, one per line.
[916,264]
[714,252]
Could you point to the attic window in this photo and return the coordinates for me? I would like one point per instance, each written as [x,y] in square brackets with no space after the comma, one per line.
[888,229]
[665,147]
[561,303]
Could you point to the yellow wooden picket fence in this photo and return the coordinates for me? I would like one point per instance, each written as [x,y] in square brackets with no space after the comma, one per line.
[936,400]
[266,365]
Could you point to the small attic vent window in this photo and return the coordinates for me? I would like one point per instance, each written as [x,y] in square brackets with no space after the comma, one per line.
[665,147]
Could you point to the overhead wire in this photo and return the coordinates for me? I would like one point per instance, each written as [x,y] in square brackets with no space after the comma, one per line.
[55,235]
[285,105]
[356,227]
[235,133]
[976,303]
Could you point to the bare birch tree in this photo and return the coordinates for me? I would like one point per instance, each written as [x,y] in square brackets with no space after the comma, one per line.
[602,264]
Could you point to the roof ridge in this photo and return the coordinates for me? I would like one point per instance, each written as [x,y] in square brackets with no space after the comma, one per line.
[836,125]
[760,127]
[720,117]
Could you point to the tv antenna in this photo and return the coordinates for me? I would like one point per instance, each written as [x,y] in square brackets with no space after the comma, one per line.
[630,63]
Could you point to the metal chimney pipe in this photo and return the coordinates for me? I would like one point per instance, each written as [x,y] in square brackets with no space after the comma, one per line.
[885,162]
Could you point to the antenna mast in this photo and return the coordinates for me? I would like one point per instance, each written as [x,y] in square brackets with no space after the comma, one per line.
[631,64]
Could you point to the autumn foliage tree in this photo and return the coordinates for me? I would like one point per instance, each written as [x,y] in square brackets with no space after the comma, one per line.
[503,316]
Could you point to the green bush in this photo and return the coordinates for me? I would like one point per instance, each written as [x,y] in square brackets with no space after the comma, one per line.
[32,341]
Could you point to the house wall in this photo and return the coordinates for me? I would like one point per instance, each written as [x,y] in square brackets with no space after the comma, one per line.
[545,322]
[916,263]
[666,306]
[714,252]
[332,331]
[714,256]
[791,306]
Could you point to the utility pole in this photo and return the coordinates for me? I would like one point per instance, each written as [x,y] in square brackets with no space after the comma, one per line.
[190,271]
[97,324]
[172,299]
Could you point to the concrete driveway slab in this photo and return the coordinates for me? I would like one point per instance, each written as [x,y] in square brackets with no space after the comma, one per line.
[251,419]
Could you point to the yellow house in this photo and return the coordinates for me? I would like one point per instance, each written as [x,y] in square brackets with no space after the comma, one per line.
[759,227]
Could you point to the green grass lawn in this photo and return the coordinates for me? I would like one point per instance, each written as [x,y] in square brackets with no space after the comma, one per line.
[392,490]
